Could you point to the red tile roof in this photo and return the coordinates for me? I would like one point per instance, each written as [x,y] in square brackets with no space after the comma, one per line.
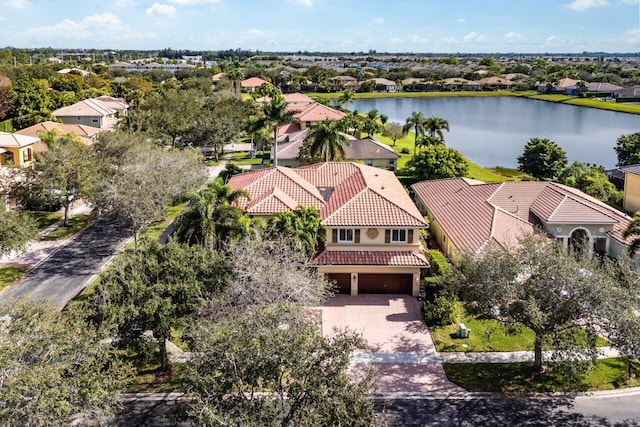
[389,258]
[356,195]
[253,82]
[472,213]
[317,112]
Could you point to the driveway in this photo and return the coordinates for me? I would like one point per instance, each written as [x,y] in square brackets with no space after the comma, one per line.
[399,345]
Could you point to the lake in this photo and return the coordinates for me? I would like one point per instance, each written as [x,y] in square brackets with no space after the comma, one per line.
[492,131]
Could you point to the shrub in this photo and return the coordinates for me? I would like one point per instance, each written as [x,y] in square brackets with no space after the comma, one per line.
[444,310]
[439,264]
[405,150]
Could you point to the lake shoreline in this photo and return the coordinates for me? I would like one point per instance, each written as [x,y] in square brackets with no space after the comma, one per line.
[556,99]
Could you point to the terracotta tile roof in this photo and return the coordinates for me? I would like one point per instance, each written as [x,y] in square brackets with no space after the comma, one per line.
[16,140]
[84,132]
[253,82]
[317,112]
[495,81]
[471,215]
[390,258]
[271,202]
[357,149]
[356,195]
[86,108]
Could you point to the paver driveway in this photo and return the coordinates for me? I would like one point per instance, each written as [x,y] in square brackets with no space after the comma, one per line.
[399,345]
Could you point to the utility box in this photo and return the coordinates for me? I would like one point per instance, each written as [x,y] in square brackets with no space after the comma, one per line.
[463,331]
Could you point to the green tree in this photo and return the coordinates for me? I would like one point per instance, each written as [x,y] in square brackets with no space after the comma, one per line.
[628,149]
[415,122]
[6,99]
[16,230]
[281,349]
[53,366]
[31,102]
[212,216]
[346,97]
[592,180]
[434,127]
[236,76]
[633,232]
[350,123]
[303,226]
[559,294]
[157,288]
[326,142]
[542,159]
[394,131]
[437,161]
[275,114]
[371,126]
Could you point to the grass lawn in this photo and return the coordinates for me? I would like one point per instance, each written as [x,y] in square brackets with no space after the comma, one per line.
[9,275]
[447,94]
[147,379]
[608,374]
[486,335]
[76,224]
[45,219]
[156,227]
[242,158]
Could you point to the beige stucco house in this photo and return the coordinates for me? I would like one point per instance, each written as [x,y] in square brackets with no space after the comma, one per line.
[90,112]
[16,149]
[465,215]
[373,242]
[631,195]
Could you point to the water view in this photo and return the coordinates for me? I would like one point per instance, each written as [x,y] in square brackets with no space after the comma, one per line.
[492,131]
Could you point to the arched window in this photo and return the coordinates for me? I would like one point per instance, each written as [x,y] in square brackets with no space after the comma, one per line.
[579,239]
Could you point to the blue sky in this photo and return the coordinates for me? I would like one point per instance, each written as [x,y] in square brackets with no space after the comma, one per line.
[465,26]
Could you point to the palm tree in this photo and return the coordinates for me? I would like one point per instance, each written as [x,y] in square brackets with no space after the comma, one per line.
[236,76]
[435,125]
[350,123]
[371,126]
[428,140]
[275,114]
[212,216]
[326,141]
[346,97]
[415,122]
[633,231]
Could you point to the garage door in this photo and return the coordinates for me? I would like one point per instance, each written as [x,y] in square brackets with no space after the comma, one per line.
[385,283]
[342,282]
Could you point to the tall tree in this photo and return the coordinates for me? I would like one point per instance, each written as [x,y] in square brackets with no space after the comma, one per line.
[236,76]
[16,230]
[275,114]
[31,102]
[434,127]
[415,122]
[542,158]
[566,297]
[628,149]
[592,180]
[346,97]
[326,141]
[212,216]
[54,366]
[350,123]
[157,289]
[394,131]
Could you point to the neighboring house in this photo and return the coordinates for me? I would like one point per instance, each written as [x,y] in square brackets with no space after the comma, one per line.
[465,215]
[496,83]
[386,85]
[565,86]
[16,149]
[368,151]
[628,94]
[118,104]
[149,66]
[602,89]
[373,242]
[87,134]
[341,83]
[312,113]
[89,112]
[83,73]
[252,83]
[631,177]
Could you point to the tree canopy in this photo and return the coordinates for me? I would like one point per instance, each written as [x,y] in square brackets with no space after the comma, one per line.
[628,149]
[325,141]
[16,230]
[303,226]
[592,180]
[542,159]
[437,161]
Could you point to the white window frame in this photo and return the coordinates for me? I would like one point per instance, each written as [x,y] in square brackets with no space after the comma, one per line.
[344,233]
[397,235]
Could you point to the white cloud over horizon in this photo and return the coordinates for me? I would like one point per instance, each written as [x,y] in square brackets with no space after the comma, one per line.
[160,9]
[584,5]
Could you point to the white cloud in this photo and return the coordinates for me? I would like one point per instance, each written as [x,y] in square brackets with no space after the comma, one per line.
[552,41]
[583,5]
[193,2]
[303,2]
[2,19]
[124,3]
[255,32]
[513,36]
[634,2]
[415,38]
[160,9]
[16,4]
[447,40]
[473,37]
[396,40]
[461,20]
[378,21]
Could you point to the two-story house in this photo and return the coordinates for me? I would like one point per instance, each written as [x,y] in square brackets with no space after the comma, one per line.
[373,242]
[16,149]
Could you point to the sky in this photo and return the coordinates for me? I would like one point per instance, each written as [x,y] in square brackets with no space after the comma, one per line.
[419,26]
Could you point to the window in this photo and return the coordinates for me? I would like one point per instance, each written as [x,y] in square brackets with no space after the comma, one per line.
[27,155]
[392,163]
[369,162]
[78,118]
[345,235]
[307,124]
[398,236]
[95,120]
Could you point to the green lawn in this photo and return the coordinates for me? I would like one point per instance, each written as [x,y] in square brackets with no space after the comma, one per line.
[608,374]
[444,94]
[242,158]
[9,275]
[486,335]
[76,224]
[157,227]
[45,219]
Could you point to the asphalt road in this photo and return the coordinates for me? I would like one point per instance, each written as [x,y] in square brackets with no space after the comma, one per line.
[67,271]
